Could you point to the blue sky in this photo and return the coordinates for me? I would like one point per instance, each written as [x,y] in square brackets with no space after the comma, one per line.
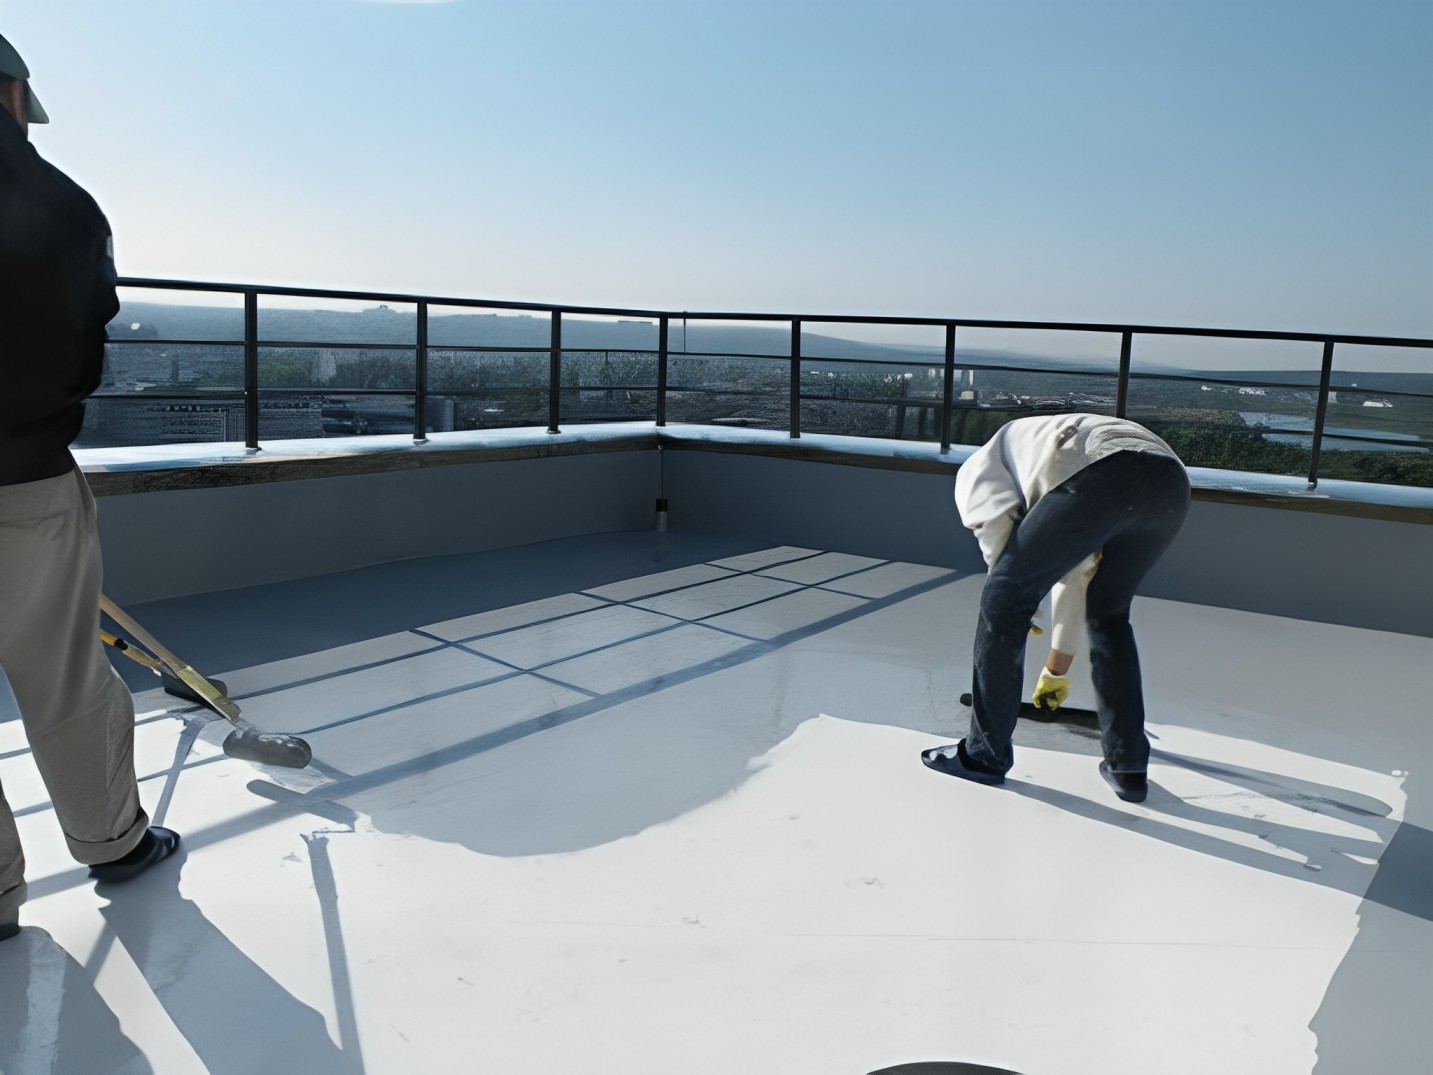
[1234,164]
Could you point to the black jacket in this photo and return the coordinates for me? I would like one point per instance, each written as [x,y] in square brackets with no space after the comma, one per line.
[57,294]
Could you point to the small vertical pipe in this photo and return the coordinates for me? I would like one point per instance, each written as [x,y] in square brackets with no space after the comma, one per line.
[554,374]
[947,398]
[251,370]
[662,327]
[1325,376]
[420,393]
[1122,392]
[795,379]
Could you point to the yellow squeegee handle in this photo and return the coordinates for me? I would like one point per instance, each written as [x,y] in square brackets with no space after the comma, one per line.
[211,695]
[134,653]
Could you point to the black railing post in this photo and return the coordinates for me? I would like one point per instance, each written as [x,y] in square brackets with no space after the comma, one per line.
[251,370]
[1325,376]
[795,379]
[947,398]
[1122,391]
[554,374]
[420,388]
[662,326]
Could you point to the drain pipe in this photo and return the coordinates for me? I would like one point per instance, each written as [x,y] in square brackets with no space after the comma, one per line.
[661,492]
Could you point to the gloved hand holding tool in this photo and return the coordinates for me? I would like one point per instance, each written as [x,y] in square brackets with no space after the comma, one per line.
[1052,691]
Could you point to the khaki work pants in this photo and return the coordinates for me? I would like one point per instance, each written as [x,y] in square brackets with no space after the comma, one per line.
[77,712]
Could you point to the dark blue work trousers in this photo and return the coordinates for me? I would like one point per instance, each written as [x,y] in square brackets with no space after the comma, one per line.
[1130,505]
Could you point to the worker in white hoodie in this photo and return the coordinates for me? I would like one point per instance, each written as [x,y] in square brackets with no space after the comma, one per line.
[1080,507]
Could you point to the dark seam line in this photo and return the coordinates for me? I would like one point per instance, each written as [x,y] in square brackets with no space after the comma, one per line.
[602,648]
[731,573]
[187,706]
[606,604]
[833,578]
[525,626]
[491,660]
[734,572]
[384,710]
[565,685]
[775,563]
[325,676]
[735,608]
[796,588]
[948,574]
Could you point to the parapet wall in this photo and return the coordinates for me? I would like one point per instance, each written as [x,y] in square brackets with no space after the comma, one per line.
[174,526]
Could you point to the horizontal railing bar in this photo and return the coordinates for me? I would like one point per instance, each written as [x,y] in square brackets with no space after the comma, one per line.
[177,343]
[727,354]
[1424,445]
[922,402]
[299,345]
[852,319]
[234,395]
[1195,378]
[287,390]
[1380,392]
[935,363]
[608,388]
[382,296]
[492,348]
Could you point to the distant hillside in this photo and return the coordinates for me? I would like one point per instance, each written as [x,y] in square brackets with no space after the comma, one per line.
[381,324]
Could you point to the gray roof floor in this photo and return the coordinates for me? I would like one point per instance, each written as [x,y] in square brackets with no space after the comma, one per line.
[653,803]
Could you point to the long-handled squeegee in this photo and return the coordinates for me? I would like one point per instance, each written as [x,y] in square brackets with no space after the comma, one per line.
[245,742]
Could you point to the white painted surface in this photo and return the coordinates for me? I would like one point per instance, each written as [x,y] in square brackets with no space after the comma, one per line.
[746,868]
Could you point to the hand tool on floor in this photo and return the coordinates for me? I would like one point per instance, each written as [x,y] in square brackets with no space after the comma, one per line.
[1068,714]
[245,742]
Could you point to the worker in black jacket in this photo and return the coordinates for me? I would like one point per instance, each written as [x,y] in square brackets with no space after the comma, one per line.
[57,294]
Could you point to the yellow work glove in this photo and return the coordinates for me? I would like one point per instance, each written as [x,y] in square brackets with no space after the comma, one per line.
[1052,691]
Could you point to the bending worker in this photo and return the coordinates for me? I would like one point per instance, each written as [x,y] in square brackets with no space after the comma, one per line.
[1078,506]
[57,293]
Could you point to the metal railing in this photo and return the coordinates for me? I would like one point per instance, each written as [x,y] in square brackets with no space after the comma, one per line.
[946,406]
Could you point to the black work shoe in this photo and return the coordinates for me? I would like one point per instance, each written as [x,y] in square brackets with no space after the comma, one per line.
[1131,787]
[952,760]
[156,845]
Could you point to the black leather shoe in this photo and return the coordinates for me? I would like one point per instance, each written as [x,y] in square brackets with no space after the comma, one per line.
[952,760]
[1131,787]
[156,845]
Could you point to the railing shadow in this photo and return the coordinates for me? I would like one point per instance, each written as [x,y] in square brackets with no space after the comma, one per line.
[1346,863]
[234,1015]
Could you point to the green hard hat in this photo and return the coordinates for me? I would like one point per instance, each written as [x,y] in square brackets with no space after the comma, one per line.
[12,65]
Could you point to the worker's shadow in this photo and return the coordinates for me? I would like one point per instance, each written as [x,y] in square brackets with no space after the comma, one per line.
[1381,866]
[52,1019]
[233,1014]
